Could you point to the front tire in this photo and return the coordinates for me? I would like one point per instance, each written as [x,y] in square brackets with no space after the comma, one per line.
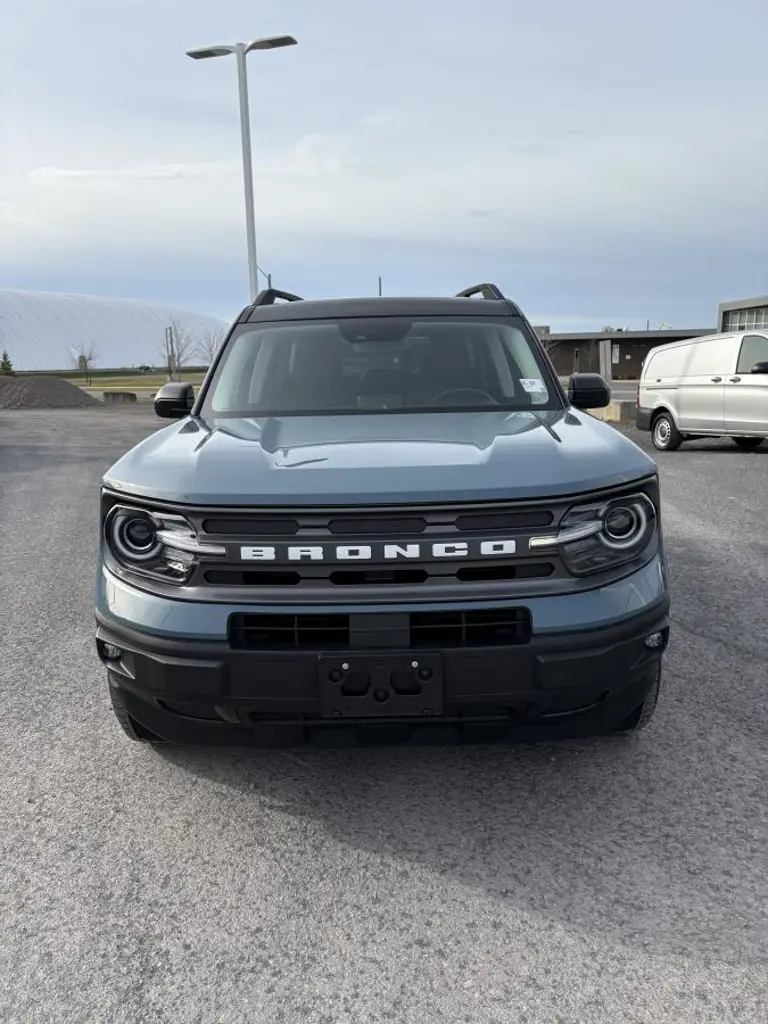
[748,442]
[664,434]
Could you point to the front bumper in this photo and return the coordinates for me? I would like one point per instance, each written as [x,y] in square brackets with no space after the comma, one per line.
[643,418]
[573,676]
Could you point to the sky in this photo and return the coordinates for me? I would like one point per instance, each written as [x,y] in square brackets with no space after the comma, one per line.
[604,163]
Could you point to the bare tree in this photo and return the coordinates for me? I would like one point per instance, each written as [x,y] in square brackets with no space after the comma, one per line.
[178,346]
[550,346]
[85,355]
[209,344]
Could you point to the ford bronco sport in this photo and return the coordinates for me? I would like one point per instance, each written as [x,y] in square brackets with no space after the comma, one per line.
[381,520]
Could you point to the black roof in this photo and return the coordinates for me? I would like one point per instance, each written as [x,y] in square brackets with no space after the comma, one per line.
[265,307]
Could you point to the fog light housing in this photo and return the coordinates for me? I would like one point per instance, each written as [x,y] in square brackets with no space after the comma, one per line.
[111,653]
[654,641]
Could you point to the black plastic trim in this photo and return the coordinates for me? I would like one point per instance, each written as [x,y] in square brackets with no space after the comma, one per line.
[643,418]
[270,295]
[488,291]
[555,675]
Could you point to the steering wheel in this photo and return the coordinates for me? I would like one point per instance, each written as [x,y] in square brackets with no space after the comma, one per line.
[488,399]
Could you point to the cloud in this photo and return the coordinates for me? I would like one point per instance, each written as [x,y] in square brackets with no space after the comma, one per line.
[161,172]
[377,120]
[312,155]
[577,153]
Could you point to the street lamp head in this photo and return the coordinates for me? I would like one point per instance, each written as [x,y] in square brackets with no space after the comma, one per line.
[270,43]
[210,51]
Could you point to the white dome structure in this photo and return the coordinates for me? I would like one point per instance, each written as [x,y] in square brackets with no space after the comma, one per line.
[48,330]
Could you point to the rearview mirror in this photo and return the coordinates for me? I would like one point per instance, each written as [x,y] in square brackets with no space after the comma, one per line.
[760,367]
[174,400]
[588,391]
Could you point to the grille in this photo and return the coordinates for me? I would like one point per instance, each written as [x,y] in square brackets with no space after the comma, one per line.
[425,526]
[378,523]
[483,628]
[307,632]
[243,526]
[378,576]
[475,628]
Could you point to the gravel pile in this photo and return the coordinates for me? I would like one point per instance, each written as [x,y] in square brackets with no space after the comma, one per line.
[42,393]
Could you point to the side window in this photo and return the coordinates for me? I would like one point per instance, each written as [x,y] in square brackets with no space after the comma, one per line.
[230,389]
[754,349]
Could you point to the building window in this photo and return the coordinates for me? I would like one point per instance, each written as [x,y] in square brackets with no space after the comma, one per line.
[746,319]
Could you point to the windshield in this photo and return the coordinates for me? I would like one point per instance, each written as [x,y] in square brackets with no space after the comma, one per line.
[378,365]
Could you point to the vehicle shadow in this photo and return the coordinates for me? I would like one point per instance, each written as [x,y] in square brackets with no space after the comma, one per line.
[627,838]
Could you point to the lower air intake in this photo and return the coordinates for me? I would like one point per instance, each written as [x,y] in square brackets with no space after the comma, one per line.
[477,628]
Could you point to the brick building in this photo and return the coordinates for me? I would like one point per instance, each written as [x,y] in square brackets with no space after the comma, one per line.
[580,351]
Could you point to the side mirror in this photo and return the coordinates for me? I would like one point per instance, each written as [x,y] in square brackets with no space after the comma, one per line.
[174,400]
[760,367]
[588,391]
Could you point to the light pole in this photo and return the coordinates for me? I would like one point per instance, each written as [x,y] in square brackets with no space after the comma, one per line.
[240,51]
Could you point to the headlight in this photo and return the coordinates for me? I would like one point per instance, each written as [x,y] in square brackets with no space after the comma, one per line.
[165,547]
[603,535]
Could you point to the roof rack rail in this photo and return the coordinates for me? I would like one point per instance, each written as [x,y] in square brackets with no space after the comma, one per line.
[268,295]
[488,291]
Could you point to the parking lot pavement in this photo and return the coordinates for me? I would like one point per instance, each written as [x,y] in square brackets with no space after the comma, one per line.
[612,881]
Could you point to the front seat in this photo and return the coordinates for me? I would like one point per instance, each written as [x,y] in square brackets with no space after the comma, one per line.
[316,380]
[445,366]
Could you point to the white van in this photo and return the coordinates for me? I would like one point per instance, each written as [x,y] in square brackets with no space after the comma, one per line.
[713,386]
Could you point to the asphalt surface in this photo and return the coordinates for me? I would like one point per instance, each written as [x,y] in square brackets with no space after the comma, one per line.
[610,880]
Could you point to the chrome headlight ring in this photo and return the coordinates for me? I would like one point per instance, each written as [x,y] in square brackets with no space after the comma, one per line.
[163,546]
[601,535]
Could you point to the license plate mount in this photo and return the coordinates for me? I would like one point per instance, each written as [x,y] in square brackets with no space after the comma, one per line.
[380,685]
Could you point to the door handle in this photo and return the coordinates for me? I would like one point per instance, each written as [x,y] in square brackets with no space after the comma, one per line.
[734,380]
[716,380]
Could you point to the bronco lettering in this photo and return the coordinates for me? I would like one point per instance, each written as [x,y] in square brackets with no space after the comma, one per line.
[378,552]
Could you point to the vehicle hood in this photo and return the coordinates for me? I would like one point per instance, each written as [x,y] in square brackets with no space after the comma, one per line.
[388,459]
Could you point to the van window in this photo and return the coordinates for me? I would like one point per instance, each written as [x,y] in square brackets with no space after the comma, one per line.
[709,357]
[754,349]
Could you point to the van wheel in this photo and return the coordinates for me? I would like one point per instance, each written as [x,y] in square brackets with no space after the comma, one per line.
[748,442]
[665,435]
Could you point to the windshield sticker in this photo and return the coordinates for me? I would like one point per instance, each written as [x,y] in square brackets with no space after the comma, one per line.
[532,384]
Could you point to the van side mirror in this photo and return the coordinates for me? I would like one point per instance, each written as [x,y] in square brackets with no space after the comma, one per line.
[588,391]
[174,400]
[761,367]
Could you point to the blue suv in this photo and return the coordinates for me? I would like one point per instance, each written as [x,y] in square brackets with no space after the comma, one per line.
[379,520]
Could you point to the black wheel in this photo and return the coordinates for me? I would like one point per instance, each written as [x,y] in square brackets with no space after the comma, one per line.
[132,729]
[642,715]
[665,435]
[748,442]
